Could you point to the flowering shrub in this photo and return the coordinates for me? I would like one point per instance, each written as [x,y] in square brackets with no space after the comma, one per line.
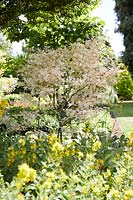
[72,81]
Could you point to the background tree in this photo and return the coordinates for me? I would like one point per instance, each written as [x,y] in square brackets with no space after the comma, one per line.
[10,10]
[124,11]
[40,27]
[9,64]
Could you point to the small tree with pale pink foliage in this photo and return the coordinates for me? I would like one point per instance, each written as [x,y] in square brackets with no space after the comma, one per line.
[74,79]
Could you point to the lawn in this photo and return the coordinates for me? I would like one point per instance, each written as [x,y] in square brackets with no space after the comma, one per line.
[124,114]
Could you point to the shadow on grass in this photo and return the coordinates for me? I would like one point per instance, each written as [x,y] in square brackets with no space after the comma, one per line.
[124,109]
[124,114]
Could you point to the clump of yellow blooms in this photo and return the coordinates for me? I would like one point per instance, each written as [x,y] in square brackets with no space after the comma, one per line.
[52,138]
[25,175]
[3,106]
[131,134]
[33,157]
[20,197]
[60,150]
[11,155]
[96,145]
[130,139]
[107,173]
[22,142]
[33,145]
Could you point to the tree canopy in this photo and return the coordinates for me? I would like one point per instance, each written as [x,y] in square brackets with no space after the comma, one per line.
[44,23]
[10,10]
[124,10]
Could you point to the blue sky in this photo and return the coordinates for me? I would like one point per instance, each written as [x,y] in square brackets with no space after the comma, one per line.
[105,12]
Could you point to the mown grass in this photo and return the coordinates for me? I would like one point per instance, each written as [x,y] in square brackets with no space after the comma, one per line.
[124,114]
[124,109]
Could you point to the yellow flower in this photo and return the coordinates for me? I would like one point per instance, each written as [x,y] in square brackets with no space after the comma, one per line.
[3,106]
[4,103]
[84,190]
[11,148]
[129,142]
[114,193]
[107,173]
[52,138]
[87,130]
[80,155]
[51,175]
[117,155]
[89,157]
[33,157]
[26,174]
[131,135]
[106,186]
[19,184]
[96,146]
[20,197]
[128,194]
[23,151]
[71,195]
[33,146]
[22,142]
[11,155]
[72,152]
[92,184]
[57,147]
[72,144]
[45,197]
[96,190]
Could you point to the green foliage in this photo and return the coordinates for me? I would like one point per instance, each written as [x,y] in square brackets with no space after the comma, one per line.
[80,168]
[11,10]
[7,85]
[45,29]
[125,26]
[5,46]
[54,31]
[12,65]
[8,63]
[124,85]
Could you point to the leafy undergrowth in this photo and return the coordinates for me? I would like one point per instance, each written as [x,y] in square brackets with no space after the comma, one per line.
[90,166]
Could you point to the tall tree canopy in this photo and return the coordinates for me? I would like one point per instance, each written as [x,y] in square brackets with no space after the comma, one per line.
[48,23]
[10,9]
[124,10]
